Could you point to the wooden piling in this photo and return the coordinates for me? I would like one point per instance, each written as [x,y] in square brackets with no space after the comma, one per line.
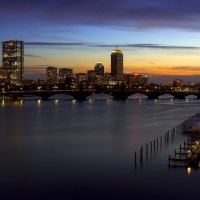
[161,141]
[146,150]
[141,154]
[135,158]
[157,143]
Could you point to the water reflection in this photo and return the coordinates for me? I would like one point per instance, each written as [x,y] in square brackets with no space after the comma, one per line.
[18,103]
[21,102]
[74,101]
[90,146]
[137,96]
[56,101]
[189,170]
[3,103]
[109,101]
[39,102]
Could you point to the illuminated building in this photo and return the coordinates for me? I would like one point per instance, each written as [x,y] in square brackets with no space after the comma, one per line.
[109,80]
[64,74]
[91,76]
[51,75]
[117,64]
[135,79]
[81,80]
[13,59]
[3,74]
[107,77]
[177,83]
[99,68]
[81,77]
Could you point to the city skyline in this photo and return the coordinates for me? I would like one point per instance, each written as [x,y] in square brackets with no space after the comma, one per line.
[158,38]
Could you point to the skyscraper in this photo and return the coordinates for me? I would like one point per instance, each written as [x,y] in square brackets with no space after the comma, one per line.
[99,68]
[52,75]
[13,59]
[117,64]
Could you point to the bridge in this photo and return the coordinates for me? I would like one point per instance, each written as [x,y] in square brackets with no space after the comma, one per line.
[83,94]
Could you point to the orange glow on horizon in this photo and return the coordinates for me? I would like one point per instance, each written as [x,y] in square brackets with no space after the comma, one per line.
[146,62]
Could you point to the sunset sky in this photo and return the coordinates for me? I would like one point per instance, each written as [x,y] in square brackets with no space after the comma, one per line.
[159,38]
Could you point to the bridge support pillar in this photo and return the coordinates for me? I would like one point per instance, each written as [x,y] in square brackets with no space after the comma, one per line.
[80,98]
[14,97]
[45,97]
[152,97]
[120,96]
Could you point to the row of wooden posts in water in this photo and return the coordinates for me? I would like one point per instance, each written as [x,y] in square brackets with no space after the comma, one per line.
[153,146]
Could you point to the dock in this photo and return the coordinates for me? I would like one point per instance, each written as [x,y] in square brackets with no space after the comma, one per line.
[187,155]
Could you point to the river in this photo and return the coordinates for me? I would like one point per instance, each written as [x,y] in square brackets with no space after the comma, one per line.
[65,149]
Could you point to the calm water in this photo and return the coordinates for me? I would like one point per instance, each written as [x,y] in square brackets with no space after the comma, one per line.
[85,150]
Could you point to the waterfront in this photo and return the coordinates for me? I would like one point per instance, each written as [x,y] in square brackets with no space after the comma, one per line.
[67,149]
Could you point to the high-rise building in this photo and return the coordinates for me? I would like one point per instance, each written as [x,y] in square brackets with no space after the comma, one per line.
[51,75]
[13,59]
[117,64]
[64,74]
[99,68]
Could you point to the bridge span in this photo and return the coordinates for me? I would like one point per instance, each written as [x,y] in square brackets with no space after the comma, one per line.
[82,95]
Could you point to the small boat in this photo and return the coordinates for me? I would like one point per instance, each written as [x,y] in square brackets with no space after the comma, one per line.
[191,128]
[192,125]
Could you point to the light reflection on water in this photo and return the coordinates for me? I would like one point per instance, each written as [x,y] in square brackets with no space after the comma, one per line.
[76,146]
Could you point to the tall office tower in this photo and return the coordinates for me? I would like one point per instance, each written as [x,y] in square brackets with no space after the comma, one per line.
[13,59]
[51,75]
[99,68]
[117,64]
[65,73]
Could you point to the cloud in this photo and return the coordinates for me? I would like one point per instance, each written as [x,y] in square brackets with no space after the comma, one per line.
[185,68]
[32,56]
[143,46]
[138,14]
[54,43]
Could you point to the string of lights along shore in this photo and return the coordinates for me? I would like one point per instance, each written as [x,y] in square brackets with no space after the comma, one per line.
[12,71]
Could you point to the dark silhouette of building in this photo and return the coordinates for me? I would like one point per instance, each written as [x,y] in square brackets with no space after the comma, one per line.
[117,64]
[13,59]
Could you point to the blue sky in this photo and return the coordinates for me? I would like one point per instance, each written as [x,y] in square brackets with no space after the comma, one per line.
[160,38]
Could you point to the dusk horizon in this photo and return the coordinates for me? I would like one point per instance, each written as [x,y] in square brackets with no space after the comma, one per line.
[158,38]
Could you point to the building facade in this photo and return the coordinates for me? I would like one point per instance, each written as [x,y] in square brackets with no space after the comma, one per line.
[117,64]
[51,73]
[64,74]
[99,68]
[13,59]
